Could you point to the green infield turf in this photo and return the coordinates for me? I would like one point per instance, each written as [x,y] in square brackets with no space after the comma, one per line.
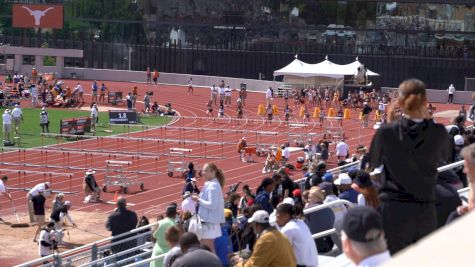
[30,129]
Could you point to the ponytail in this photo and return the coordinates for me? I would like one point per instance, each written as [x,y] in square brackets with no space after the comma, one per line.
[220,177]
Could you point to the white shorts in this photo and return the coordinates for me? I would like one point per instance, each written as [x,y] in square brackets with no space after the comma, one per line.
[211,230]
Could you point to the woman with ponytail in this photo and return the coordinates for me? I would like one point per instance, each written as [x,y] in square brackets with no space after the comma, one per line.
[211,204]
[409,148]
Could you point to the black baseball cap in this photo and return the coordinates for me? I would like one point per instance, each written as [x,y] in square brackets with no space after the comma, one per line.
[362,224]
[363,179]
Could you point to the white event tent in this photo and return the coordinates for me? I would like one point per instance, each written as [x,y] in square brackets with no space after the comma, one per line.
[326,68]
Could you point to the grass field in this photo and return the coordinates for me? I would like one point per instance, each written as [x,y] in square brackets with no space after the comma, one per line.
[30,130]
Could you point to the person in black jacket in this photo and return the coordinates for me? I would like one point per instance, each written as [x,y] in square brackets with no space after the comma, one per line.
[121,221]
[446,197]
[409,148]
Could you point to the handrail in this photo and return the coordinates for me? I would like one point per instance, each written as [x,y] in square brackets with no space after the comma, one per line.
[115,255]
[336,169]
[450,166]
[159,257]
[78,249]
[328,205]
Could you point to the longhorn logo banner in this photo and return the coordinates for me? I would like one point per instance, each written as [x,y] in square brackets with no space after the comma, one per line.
[37,16]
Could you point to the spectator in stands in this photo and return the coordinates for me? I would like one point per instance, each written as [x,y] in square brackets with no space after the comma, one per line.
[172,237]
[39,189]
[451,92]
[315,175]
[315,197]
[343,183]
[59,213]
[272,249]
[161,245]
[298,233]
[191,186]
[92,191]
[44,120]
[368,196]
[46,245]
[233,203]
[363,157]
[194,255]
[362,237]
[7,125]
[409,149]
[263,194]
[121,221]
[287,184]
[188,204]
[211,204]
[247,199]
[342,150]
[329,193]
[468,154]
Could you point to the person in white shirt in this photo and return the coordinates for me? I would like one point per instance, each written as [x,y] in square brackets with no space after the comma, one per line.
[451,92]
[80,91]
[269,96]
[94,117]
[362,237]
[45,243]
[298,234]
[342,150]
[41,188]
[188,204]
[227,96]
[17,116]
[3,189]
[221,94]
[34,96]
[7,124]
[285,153]
[214,94]
[211,204]
[190,86]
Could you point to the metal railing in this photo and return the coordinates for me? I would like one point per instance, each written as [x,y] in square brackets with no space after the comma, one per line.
[92,251]
[89,250]
[334,170]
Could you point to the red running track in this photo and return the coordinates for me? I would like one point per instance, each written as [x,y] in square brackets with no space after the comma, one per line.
[161,189]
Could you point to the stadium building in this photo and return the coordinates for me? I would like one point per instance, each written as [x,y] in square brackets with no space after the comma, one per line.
[252,38]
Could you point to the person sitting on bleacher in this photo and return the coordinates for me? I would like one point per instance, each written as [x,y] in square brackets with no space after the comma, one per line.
[362,236]
[272,249]
[298,233]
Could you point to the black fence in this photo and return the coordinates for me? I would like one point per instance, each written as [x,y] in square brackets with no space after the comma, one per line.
[436,66]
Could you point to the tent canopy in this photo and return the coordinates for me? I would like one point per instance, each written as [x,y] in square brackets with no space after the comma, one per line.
[325,68]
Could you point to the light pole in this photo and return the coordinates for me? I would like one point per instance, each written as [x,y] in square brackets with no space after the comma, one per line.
[130,57]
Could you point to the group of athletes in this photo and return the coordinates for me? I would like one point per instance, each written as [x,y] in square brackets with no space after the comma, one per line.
[304,99]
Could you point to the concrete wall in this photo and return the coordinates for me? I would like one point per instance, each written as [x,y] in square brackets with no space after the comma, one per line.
[441,96]
[166,78]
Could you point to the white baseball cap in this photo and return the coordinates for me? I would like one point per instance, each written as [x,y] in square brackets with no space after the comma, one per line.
[289,200]
[90,171]
[260,216]
[343,179]
[67,203]
[458,139]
